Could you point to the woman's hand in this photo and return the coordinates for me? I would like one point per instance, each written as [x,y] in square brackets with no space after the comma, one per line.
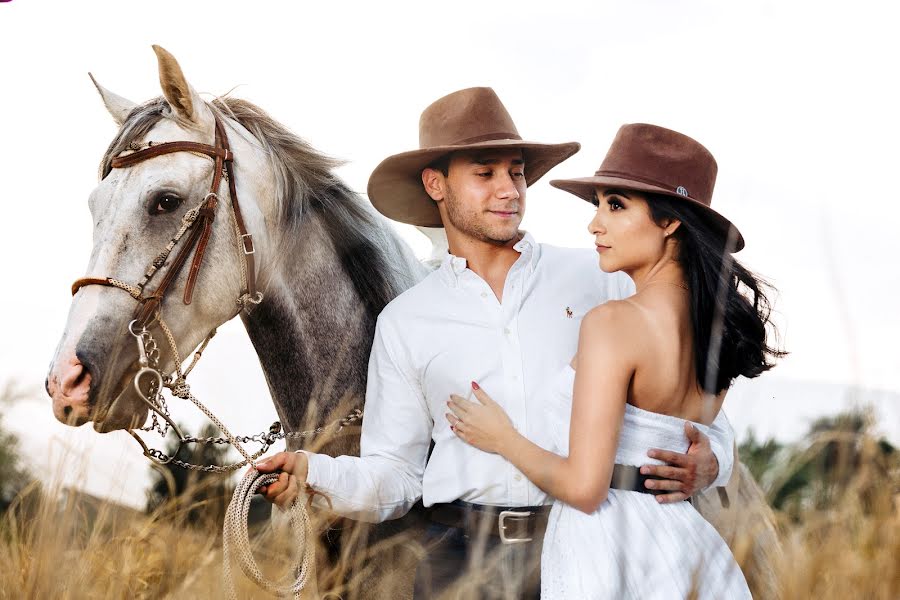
[482,424]
[293,467]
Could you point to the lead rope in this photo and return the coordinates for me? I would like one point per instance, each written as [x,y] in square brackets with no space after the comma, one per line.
[235,527]
[235,532]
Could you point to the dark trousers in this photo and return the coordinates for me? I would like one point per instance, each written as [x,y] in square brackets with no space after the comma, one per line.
[471,564]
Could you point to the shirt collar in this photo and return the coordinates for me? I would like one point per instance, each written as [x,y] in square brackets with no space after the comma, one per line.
[452,266]
[530,250]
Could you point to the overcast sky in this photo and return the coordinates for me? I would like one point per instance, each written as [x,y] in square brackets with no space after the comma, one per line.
[796,100]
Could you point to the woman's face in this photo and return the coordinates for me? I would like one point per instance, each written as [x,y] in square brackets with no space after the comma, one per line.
[626,236]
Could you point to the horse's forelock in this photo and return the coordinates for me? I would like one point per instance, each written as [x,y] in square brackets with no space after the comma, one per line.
[135,128]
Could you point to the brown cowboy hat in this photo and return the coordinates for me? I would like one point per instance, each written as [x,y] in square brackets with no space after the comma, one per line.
[647,158]
[470,119]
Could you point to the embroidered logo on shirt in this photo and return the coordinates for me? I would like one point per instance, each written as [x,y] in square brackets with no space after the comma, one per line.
[568,313]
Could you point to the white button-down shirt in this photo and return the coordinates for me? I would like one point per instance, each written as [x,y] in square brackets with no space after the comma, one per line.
[434,340]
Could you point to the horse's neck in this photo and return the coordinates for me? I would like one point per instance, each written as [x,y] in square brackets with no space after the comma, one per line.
[312,334]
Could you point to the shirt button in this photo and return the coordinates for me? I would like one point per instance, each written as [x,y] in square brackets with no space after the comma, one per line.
[518,477]
[484,294]
[515,377]
[506,330]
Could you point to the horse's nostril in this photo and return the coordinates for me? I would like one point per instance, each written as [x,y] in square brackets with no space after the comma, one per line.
[67,411]
[80,379]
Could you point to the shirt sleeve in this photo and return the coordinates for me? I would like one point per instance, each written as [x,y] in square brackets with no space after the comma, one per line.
[721,438]
[386,479]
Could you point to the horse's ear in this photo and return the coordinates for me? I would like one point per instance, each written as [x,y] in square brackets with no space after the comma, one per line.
[117,106]
[185,102]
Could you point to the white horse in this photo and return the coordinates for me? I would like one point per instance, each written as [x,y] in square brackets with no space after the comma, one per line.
[327,261]
[327,264]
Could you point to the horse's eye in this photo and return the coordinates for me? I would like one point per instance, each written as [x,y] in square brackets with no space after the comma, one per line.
[165,203]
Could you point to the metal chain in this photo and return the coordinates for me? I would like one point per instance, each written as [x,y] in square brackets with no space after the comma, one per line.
[235,533]
[148,362]
[266,439]
[179,388]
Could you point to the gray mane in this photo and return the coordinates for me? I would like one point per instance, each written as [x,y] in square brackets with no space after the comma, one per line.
[304,184]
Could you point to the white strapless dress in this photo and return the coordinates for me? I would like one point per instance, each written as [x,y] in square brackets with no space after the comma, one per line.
[632,546]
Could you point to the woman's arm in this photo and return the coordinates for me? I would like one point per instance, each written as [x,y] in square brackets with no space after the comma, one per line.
[581,479]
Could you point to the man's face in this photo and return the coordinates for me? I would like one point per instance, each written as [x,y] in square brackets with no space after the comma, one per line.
[483,194]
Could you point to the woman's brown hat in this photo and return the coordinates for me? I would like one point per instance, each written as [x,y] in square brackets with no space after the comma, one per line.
[647,158]
[470,119]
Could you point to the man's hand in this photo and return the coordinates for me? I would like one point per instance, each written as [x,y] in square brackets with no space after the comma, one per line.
[294,467]
[686,474]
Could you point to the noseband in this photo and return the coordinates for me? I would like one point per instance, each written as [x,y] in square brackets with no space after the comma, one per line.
[198,221]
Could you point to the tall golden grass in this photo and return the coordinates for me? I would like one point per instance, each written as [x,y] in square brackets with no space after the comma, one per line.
[841,540]
[60,544]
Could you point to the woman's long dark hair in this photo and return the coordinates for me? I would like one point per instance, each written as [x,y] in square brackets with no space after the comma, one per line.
[729,309]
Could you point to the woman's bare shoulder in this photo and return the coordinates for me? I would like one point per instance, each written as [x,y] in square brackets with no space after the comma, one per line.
[612,321]
[607,338]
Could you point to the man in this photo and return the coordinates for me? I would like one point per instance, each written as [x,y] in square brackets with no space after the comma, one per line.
[501,310]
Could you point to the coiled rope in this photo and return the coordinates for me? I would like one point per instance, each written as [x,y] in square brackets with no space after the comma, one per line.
[235,535]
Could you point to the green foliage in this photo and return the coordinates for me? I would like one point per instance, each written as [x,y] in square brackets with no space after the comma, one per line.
[758,456]
[835,455]
[13,476]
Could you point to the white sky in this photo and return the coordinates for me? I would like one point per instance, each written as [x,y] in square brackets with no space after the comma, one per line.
[797,101]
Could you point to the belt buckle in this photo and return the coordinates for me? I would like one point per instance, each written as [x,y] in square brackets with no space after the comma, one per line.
[516,514]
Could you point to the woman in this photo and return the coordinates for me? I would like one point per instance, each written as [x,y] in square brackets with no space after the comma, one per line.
[646,368]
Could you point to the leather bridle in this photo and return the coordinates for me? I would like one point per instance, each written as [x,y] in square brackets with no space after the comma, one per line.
[198,222]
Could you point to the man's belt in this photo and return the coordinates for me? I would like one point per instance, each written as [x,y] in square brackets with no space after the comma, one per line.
[512,524]
[524,523]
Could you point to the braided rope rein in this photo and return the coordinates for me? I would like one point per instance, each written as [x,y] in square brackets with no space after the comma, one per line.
[235,529]
[235,533]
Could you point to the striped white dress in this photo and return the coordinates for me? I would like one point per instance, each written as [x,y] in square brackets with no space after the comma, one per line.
[632,546]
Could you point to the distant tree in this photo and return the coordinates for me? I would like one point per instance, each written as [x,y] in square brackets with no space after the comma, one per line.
[758,456]
[13,476]
[839,454]
[196,496]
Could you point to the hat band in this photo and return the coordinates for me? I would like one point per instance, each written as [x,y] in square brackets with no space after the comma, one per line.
[502,135]
[642,179]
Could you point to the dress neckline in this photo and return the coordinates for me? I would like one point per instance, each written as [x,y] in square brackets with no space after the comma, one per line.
[649,414]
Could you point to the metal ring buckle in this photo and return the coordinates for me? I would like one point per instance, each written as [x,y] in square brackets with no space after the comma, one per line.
[131,328]
[500,523]
[245,238]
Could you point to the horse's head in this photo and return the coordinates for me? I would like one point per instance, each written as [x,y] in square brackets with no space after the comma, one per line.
[137,209]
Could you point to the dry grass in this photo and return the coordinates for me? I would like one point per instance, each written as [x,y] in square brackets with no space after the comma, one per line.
[840,541]
[62,544]
[849,548]
[56,545]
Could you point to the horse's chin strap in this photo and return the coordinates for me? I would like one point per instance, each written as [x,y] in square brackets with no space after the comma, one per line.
[198,221]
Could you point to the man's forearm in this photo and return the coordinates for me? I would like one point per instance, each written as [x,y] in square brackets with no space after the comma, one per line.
[371,488]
